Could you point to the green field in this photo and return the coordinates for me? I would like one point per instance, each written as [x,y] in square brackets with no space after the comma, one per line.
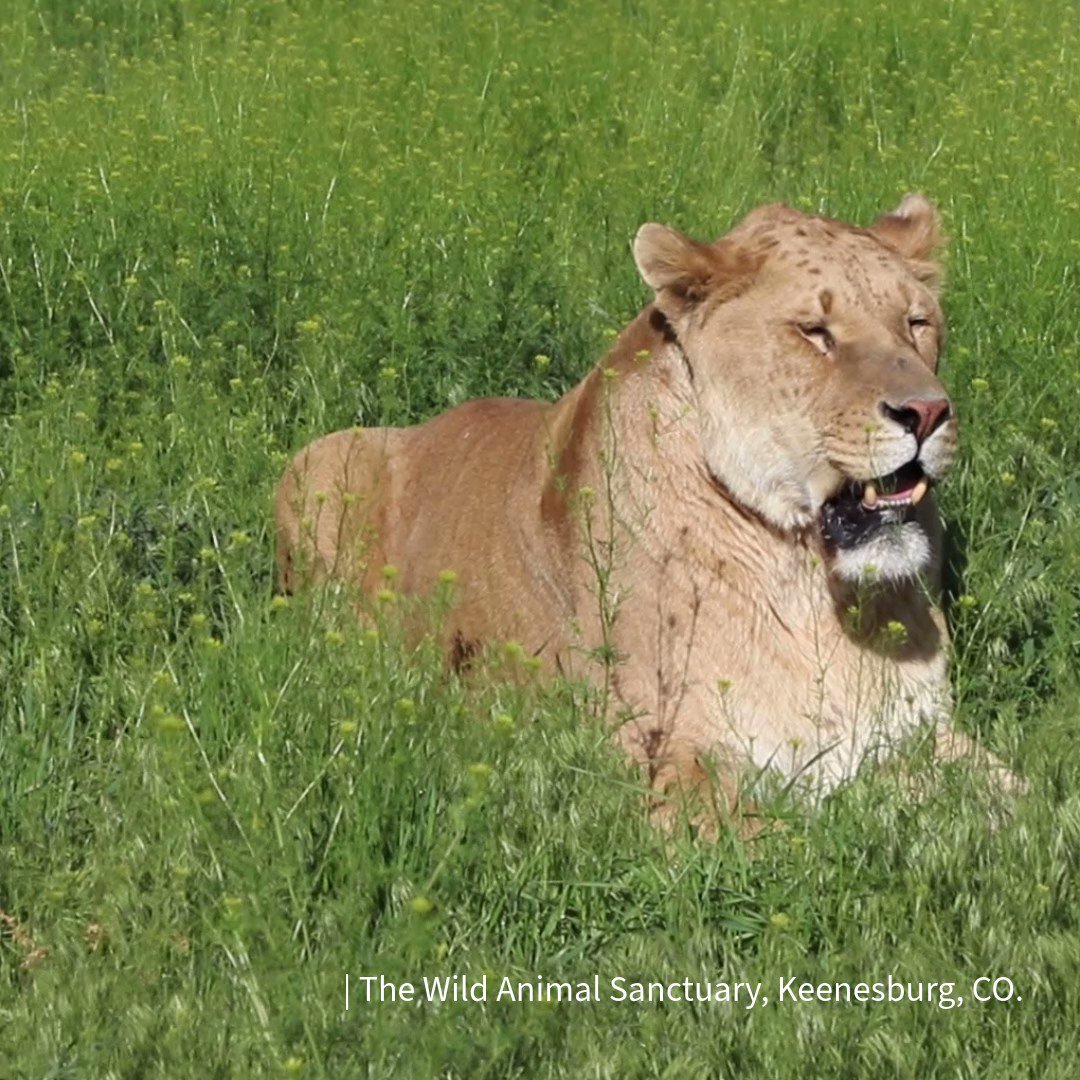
[228,227]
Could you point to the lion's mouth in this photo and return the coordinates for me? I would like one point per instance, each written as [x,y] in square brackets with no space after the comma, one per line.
[860,508]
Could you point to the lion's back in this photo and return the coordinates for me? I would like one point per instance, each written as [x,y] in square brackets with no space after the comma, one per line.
[363,497]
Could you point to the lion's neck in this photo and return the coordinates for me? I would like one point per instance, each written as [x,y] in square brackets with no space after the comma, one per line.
[631,430]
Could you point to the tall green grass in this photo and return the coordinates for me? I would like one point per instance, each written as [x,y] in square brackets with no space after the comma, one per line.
[226,228]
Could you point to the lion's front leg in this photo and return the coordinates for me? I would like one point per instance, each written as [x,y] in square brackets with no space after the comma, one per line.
[951,745]
[687,783]
[692,787]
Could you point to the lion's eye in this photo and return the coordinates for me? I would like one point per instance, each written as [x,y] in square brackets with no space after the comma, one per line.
[917,323]
[818,336]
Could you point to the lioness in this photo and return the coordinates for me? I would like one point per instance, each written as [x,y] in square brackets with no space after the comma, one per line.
[734,508]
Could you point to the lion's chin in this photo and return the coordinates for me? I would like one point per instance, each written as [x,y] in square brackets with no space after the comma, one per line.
[892,552]
[870,527]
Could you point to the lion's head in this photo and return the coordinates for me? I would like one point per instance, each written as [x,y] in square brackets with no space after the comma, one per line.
[813,350]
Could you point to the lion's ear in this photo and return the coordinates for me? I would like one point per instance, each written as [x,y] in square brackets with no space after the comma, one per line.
[666,259]
[684,268]
[913,230]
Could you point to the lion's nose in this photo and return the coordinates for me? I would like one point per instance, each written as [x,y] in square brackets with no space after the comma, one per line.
[921,416]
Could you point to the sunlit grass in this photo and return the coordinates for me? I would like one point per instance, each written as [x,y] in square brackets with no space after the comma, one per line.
[226,228]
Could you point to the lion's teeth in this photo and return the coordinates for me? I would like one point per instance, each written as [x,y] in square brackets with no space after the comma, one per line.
[919,491]
[869,496]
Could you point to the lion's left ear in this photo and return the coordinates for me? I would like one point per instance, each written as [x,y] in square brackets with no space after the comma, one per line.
[913,230]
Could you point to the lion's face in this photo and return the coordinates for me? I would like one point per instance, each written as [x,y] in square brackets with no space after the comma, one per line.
[813,350]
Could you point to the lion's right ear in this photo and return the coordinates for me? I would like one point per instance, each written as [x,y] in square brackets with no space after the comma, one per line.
[670,262]
[666,259]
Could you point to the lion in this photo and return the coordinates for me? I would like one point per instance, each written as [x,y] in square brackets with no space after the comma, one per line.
[734,510]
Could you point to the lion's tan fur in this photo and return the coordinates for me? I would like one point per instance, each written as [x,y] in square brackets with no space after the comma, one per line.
[687,472]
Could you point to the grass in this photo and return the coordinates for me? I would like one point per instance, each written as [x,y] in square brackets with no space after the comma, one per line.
[226,228]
